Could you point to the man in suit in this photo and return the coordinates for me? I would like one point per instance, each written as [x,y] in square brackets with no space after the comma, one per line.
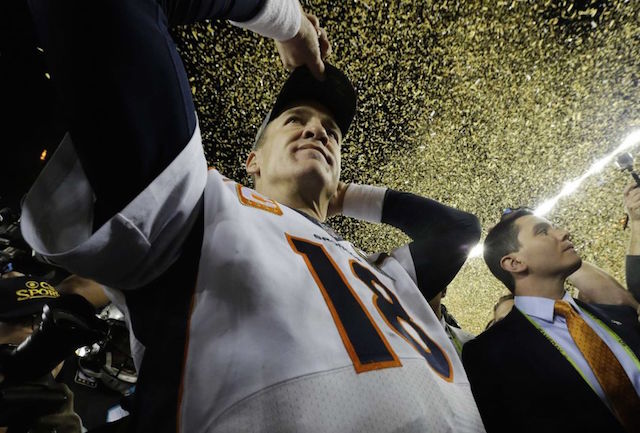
[553,364]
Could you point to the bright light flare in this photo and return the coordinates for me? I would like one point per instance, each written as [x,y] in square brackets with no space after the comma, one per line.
[631,140]
[572,186]
[477,250]
[546,207]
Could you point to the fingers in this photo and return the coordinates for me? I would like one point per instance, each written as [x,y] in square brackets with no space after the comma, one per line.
[632,195]
[309,47]
[316,67]
[314,59]
[314,21]
[323,38]
[629,187]
[325,45]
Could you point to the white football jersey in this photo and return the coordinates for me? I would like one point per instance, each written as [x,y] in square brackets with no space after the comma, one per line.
[291,328]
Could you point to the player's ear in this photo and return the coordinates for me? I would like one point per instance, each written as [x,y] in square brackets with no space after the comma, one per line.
[252,165]
[512,263]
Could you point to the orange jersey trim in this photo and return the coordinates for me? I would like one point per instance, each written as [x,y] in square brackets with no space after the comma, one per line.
[258,202]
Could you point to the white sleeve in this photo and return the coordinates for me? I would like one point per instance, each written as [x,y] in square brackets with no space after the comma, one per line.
[364,202]
[137,244]
[278,19]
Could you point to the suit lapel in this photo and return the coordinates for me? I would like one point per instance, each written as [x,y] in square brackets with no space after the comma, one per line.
[545,357]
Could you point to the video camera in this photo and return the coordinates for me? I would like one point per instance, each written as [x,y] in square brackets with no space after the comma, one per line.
[68,322]
[15,252]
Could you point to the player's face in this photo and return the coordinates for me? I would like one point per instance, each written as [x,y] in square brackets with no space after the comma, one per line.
[301,145]
[545,249]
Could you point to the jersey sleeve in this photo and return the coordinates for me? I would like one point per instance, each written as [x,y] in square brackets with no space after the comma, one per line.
[441,236]
[134,246]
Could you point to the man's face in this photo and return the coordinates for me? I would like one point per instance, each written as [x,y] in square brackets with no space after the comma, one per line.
[301,145]
[545,249]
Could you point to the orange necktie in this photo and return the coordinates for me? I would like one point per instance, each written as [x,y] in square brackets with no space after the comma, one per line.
[605,366]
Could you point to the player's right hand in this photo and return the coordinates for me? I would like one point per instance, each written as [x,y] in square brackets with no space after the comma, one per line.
[309,47]
[632,201]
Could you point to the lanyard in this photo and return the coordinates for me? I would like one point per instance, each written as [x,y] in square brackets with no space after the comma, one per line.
[452,336]
[606,328]
[561,350]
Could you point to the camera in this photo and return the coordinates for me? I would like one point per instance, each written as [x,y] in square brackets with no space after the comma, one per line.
[27,390]
[17,255]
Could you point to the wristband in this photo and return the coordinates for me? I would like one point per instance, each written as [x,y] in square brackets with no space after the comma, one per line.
[364,202]
[278,19]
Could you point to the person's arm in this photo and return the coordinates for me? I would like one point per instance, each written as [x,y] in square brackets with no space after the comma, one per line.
[632,206]
[441,235]
[88,289]
[122,192]
[595,286]
[486,382]
[298,36]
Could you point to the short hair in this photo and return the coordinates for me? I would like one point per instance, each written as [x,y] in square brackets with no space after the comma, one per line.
[259,141]
[501,240]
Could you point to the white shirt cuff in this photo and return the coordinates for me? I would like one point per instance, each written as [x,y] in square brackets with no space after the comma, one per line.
[278,19]
[364,202]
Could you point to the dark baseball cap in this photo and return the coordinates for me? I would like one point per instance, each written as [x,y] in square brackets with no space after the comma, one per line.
[335,92]
[24,296]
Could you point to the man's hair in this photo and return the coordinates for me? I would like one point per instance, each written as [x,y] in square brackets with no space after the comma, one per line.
[501,240]
[259,142]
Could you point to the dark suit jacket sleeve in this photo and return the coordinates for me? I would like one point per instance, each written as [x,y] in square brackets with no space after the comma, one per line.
[633,275]
[487,386]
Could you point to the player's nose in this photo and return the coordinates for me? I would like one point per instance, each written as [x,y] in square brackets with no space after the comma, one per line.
[315,130]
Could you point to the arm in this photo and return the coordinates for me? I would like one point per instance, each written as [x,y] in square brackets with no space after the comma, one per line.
[486,385]
[598,287]
[441,235]
[124,188]
[632,206]
[299,38]
[88,289]
[633,275]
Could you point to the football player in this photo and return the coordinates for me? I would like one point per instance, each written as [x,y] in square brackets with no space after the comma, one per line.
[253,313]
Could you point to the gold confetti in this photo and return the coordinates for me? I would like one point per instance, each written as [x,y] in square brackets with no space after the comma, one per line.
[479,107]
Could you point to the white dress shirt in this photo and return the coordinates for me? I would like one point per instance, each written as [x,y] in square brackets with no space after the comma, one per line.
[541,311]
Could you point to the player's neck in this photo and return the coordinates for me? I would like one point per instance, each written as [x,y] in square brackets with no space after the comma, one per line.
[312,203]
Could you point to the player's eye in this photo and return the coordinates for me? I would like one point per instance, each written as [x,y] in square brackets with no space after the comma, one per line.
[292,119]
[332,133]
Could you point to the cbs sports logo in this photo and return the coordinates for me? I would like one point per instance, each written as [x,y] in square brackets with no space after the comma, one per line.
[36,290]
